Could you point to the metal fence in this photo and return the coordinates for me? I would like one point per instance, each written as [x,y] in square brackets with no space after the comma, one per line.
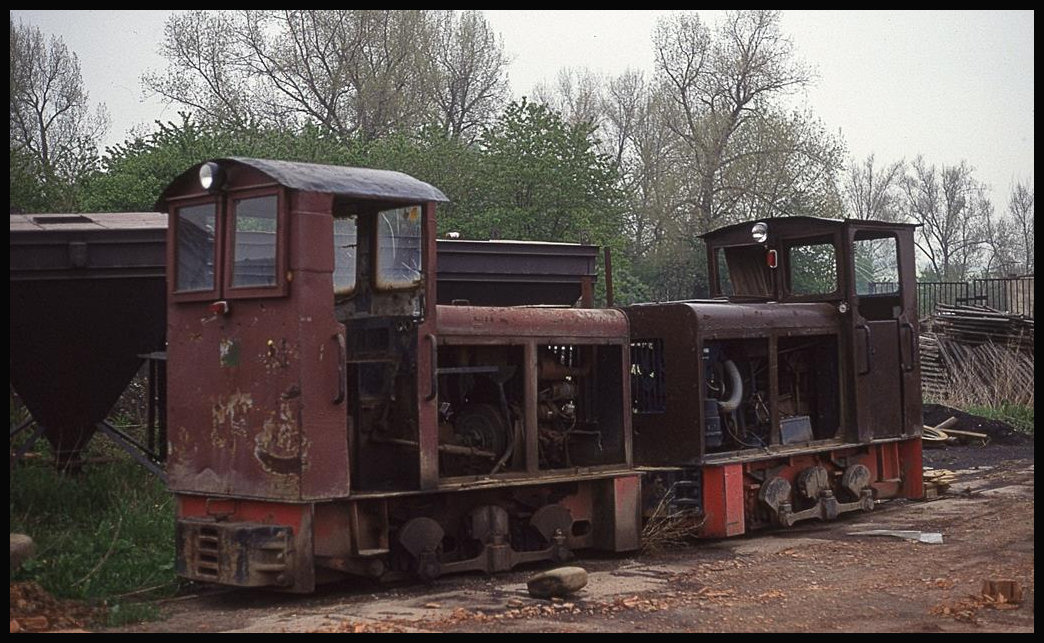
[1012,295]
[1008,294]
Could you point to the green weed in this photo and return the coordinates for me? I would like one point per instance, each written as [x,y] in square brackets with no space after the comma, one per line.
[104,533]
[1019,416]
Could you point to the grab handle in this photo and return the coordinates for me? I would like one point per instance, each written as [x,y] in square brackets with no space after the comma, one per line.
[434,366]
[342,369]
[866,349]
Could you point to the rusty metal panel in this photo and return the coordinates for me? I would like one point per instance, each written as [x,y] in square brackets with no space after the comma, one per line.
[234,423]
[723,501]
[734,320]
[618,511]
[532,322]
[324,406]
[670,434]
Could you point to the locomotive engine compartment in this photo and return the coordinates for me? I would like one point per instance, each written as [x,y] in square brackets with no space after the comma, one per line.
[737,387]
[482,408]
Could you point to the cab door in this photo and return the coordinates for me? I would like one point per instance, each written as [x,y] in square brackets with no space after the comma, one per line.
[883,331]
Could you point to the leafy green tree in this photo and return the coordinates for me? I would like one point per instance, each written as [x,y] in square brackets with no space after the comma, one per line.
[542,179]
[134,173]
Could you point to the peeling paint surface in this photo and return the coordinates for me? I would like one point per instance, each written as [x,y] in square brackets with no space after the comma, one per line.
[229,418]
[278,354]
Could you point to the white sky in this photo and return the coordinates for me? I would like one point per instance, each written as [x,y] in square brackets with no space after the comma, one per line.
[949,85]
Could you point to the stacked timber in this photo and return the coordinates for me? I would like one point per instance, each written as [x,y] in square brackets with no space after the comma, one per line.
[978,353]
[980,324]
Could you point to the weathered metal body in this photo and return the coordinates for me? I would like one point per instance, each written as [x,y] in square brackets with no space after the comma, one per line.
[793,394]
[332,412]
[327,416]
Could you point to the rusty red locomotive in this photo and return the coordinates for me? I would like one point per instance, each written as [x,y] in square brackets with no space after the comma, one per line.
[326,416]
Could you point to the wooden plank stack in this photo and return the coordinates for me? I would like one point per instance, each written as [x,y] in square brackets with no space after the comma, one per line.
[977,349]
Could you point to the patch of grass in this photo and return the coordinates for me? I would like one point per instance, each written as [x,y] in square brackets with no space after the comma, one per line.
[103,534]
[126,613]
[1019,416]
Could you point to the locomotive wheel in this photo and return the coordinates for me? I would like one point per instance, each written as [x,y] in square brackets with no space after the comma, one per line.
[855,479]
[422,537]
[482,426]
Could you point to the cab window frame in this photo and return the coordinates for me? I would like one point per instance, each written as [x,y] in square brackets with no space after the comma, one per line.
[788,244]
[347,291]
[379,282]
[280,287]
[173,251]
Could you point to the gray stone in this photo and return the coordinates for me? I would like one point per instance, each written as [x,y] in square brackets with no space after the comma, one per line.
[22,549]
[561,581]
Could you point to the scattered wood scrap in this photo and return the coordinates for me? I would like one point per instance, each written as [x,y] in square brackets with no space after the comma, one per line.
[1001,592]
[936,482]
[943,433]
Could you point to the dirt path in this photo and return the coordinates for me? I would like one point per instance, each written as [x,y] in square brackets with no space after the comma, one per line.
[813,578]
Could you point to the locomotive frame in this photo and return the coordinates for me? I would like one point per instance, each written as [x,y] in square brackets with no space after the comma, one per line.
[326,417]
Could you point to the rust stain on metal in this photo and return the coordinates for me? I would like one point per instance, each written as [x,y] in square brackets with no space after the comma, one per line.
[277,355]
[228,349]
[531,321]
[278,446]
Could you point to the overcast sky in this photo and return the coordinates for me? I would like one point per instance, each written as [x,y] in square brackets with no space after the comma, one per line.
[948,85]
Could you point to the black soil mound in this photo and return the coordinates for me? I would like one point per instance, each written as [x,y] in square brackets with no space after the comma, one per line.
[1000,432]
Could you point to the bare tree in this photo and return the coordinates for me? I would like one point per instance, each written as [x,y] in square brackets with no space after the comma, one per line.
[470,84]
[1001,246]
[723,89]
[577,95]
[52,124]
[708,141]
[355,73]
[1020,209]
[872,192]
[953,212]
[208,71]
